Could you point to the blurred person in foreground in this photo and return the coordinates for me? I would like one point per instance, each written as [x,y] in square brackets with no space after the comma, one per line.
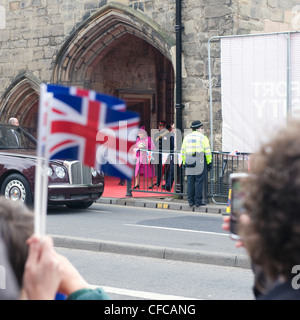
[40,272]
[8,284]
[270,226]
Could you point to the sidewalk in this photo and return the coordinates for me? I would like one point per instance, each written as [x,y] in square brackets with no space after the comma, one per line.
[116,194]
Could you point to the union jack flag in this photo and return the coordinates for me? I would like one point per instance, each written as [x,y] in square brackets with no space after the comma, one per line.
[84,128]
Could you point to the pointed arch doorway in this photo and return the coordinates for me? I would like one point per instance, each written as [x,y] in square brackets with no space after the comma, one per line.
[21,101]
[118,53]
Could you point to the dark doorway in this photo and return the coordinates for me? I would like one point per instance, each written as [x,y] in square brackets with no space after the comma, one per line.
[141,103]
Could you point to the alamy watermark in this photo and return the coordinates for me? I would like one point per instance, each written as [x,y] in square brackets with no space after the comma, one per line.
[114,150]
[296,278]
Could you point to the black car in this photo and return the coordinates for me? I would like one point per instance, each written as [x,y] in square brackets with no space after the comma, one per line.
[70,183]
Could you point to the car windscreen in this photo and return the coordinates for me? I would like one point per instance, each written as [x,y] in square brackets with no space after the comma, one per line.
[13,137]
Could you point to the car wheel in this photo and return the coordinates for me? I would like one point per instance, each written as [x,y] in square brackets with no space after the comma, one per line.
[81,205]
[16,187]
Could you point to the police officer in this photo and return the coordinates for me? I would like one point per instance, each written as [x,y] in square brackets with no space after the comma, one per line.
[195,151]
[164,143]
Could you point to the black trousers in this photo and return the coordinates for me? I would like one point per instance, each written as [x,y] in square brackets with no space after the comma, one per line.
[195,188]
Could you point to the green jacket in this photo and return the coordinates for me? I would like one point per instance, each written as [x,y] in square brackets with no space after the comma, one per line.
[89,294]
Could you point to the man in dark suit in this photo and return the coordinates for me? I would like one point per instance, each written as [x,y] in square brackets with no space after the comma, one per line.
[164,143]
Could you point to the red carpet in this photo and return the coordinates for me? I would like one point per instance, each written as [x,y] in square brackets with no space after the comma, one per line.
[112,189]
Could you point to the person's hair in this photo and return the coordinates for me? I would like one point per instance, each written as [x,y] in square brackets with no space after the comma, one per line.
[16,226]
[12,120]
[273,204]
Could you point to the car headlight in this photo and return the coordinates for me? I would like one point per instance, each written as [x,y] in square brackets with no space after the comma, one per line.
[93,172]
[60,172]
[49,172]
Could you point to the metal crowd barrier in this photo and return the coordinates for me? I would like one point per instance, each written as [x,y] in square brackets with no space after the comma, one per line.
[216,181]
[166,166]
[224,163]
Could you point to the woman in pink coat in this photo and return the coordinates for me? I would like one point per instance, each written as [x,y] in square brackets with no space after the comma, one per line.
[143,165]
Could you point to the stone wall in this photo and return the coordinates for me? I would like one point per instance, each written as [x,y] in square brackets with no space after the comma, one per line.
[33,31]
[138,68]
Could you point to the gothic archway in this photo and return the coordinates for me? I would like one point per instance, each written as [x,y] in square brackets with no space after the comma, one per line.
[21,100]
[120,50]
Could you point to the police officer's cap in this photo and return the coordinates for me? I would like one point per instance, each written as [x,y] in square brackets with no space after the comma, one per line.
[196,124]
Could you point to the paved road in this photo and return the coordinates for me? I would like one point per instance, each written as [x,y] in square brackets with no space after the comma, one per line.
[131,277]
[173,234]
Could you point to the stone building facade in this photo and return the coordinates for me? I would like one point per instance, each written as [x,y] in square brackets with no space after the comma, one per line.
[125,48]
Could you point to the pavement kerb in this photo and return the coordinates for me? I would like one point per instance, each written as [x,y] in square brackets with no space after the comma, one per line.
[214,258]
[163,204]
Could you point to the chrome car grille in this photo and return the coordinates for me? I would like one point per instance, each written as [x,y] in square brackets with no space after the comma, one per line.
[78,173]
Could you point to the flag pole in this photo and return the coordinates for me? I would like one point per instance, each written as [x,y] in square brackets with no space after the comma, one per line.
[41,178]
[37,197]
[44,203]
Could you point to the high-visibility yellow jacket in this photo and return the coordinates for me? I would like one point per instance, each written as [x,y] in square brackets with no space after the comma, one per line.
[196,142]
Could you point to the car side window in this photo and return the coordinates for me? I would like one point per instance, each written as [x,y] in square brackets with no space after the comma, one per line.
[3,140]
[12,137]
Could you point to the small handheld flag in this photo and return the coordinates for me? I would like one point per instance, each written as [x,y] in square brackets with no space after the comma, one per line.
[83,125]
